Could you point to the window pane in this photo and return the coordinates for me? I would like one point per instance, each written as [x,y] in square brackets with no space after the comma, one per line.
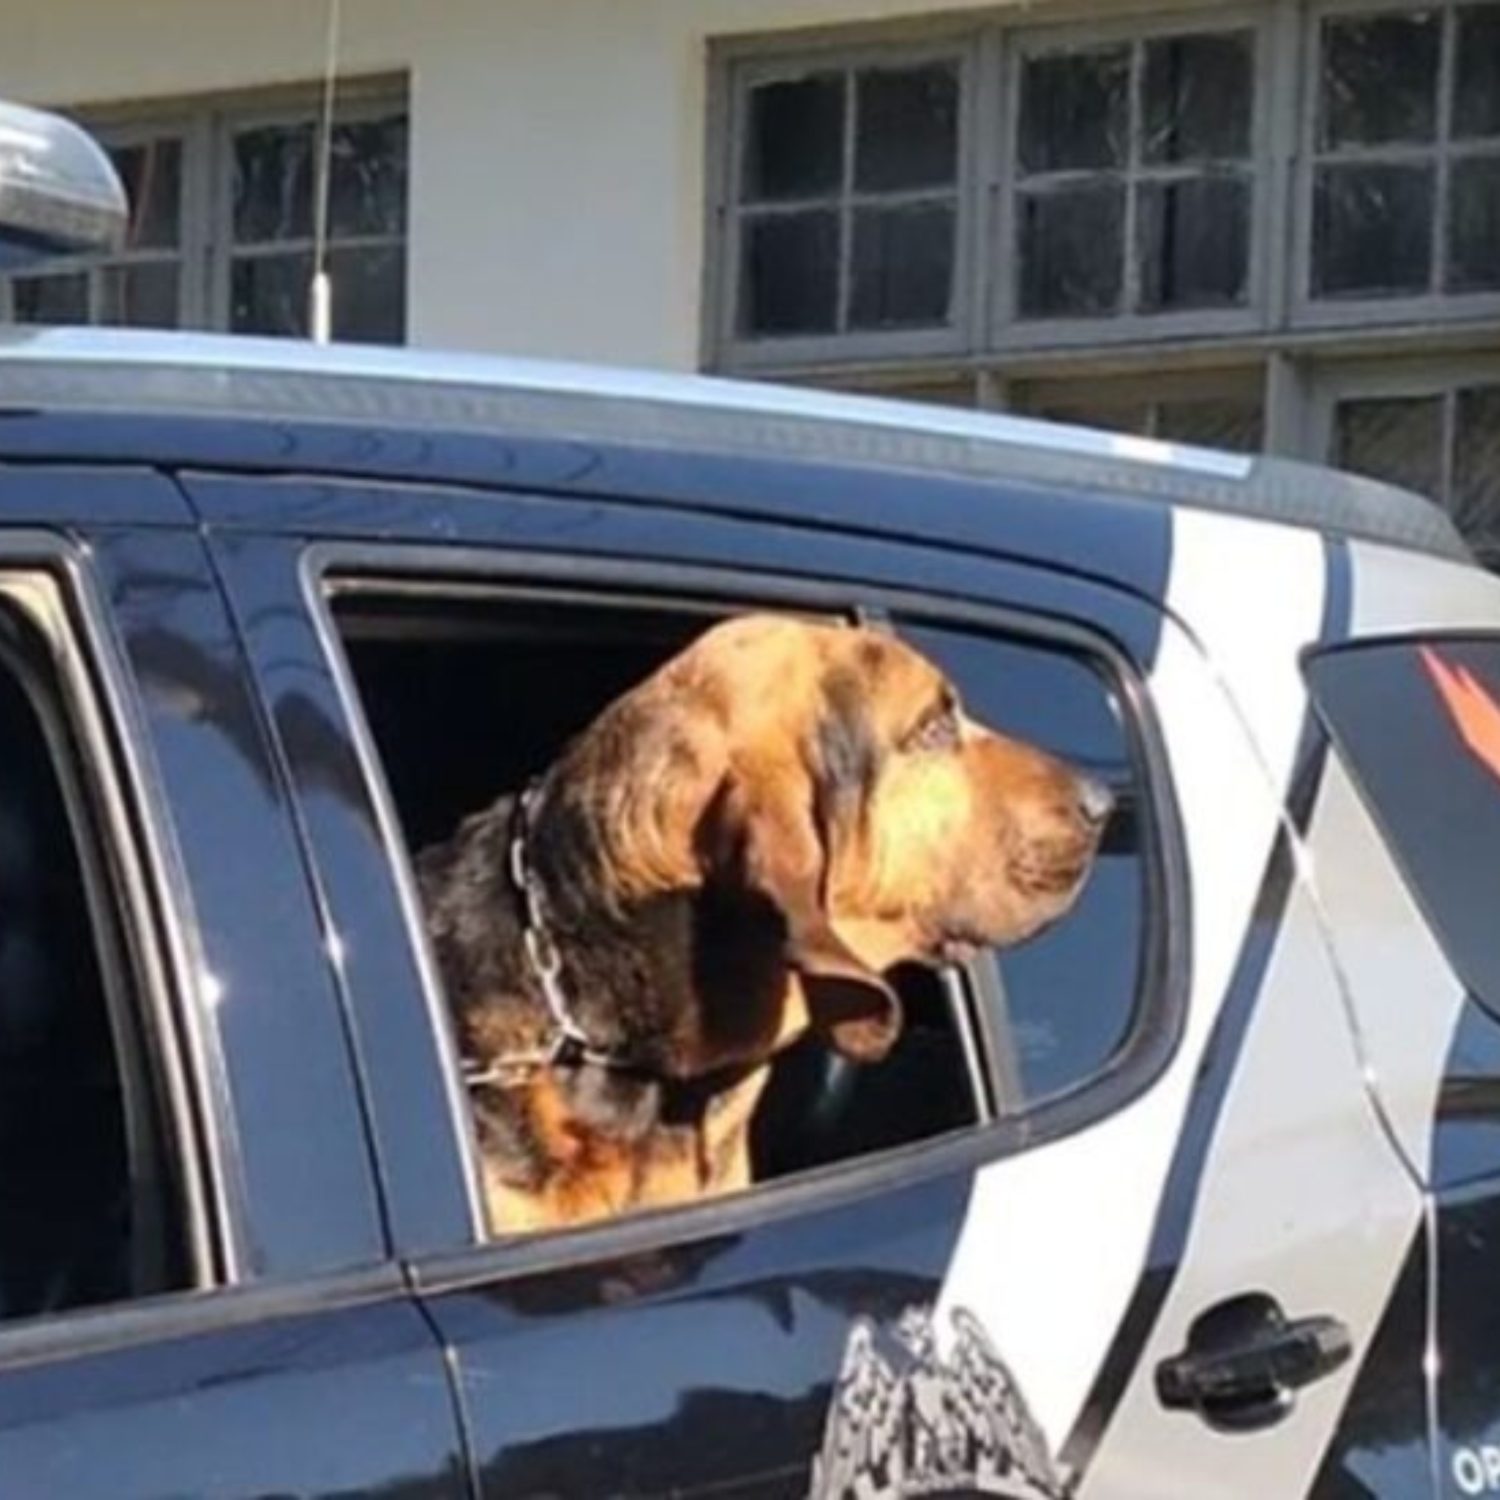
[367,177]
[1108,416]
[1070,992]
[1379,78]
[790,273]
[1193,238]
[1198,96]
[1474,225]
[794,138]
[140,296]
[1399,440]
[273,183]
[907,134]
[1214,423]
[268,294]
[1075,110]
[1071,244]
[903,266]
[1476,102]
[369,294]
[1371,230]
[1475,501]
[51,299]
[152,174]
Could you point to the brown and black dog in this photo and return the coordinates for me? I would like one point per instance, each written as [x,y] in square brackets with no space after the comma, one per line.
[732,853]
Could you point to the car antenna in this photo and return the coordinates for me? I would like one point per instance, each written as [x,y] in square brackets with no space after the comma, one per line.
[320,288]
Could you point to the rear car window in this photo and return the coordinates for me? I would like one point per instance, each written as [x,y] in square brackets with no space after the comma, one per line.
[1418,723]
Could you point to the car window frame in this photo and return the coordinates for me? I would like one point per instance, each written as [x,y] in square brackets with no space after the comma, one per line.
[1162,989]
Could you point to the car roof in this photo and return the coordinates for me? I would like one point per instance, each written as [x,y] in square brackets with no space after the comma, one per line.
[183,375]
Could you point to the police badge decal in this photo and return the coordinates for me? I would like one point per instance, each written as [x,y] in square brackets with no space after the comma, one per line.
[906,1421]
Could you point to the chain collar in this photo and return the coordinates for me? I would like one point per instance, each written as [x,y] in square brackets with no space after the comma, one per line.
[569,1045]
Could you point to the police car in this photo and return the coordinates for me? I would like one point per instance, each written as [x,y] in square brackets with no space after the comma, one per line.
[1197,1194]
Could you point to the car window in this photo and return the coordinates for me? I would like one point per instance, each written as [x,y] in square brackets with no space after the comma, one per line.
[1418,724]
[1066,1000]
[471,692]
[85,1210]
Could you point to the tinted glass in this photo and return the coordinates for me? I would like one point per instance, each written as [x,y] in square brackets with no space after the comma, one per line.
[269,294]
[1476,100]
[273,183]
[907,132]
[1070,993]
[1398,439]
[1474,225]
[152,174]
[1372,230]
[903,266]
[1419,726]
[140,296]
[1198,93]
[794,138]
[790,273]
[51,299]
[1193,240]
[1075,110]
[1378,78]
[1072,250]
[1475,499]
[1236,425]
[367,177]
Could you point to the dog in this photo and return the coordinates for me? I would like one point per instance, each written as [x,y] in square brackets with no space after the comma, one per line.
[731,855]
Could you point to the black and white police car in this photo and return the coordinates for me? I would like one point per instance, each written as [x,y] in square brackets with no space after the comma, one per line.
[1197,1195]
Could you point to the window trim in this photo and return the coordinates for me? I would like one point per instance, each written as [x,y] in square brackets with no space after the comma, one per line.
[122,842]
[1162,983]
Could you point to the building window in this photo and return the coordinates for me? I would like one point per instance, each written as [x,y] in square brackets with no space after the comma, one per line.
[847,203]
[1444,444]
[1134,176]
[223,222]
[1406,178]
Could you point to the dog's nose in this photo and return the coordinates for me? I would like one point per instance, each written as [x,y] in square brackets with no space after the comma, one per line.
[1095,801]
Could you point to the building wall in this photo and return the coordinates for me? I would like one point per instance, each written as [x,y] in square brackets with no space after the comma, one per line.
[557,150]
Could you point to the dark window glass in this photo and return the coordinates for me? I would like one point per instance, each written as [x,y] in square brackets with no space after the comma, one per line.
[269,293]
[1475,500]
[903,266]
[1378,79]
[1417,726]
[273,183]
[1227,423]
[60,298]
[790,273]
[82,1217]
[1069,996]
[367,177]
[1397,439]
[152,175]
[907,134]
[140,296]
[1072,250]
[1193,241]
[1075,110]
[1476,100]
[794,138]
[1198,98]
[1474,225]
[1372,230]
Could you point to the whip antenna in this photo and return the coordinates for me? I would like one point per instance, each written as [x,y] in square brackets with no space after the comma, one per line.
[320,289]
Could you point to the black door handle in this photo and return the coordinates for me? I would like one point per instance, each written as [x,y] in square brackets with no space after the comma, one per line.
[1244,1360]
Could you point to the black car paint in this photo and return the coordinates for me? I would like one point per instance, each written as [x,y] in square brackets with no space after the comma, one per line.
[579,1370]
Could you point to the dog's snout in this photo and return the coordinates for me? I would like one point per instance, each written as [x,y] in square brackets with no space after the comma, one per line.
[1095,801]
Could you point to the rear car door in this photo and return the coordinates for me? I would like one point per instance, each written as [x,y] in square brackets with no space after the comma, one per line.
[975,1299]
[195,1295]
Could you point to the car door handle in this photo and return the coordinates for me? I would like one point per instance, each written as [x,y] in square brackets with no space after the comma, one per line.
[1245,1359]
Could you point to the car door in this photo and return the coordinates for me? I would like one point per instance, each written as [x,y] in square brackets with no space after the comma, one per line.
[978,1309]
[195,1295]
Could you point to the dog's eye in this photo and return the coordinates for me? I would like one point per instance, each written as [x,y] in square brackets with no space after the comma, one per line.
[936,730]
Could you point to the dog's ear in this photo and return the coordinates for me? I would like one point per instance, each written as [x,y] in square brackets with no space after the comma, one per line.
[762,832]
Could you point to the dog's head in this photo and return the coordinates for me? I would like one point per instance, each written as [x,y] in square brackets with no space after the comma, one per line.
[833,811]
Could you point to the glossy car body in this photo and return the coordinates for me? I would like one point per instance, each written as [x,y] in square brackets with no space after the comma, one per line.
[1289,1133]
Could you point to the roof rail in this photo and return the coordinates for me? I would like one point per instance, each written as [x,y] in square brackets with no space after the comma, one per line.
[96,369]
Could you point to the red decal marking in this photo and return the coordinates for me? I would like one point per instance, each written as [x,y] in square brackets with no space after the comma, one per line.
[1470,705]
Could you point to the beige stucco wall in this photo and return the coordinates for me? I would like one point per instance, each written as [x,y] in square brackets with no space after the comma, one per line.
[557,151]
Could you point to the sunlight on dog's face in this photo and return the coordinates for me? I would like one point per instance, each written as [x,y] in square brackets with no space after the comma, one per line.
[959,838]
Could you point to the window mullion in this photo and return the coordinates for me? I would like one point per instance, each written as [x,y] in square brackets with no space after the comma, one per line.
[846,203]
[1447,72]
[1130,279]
